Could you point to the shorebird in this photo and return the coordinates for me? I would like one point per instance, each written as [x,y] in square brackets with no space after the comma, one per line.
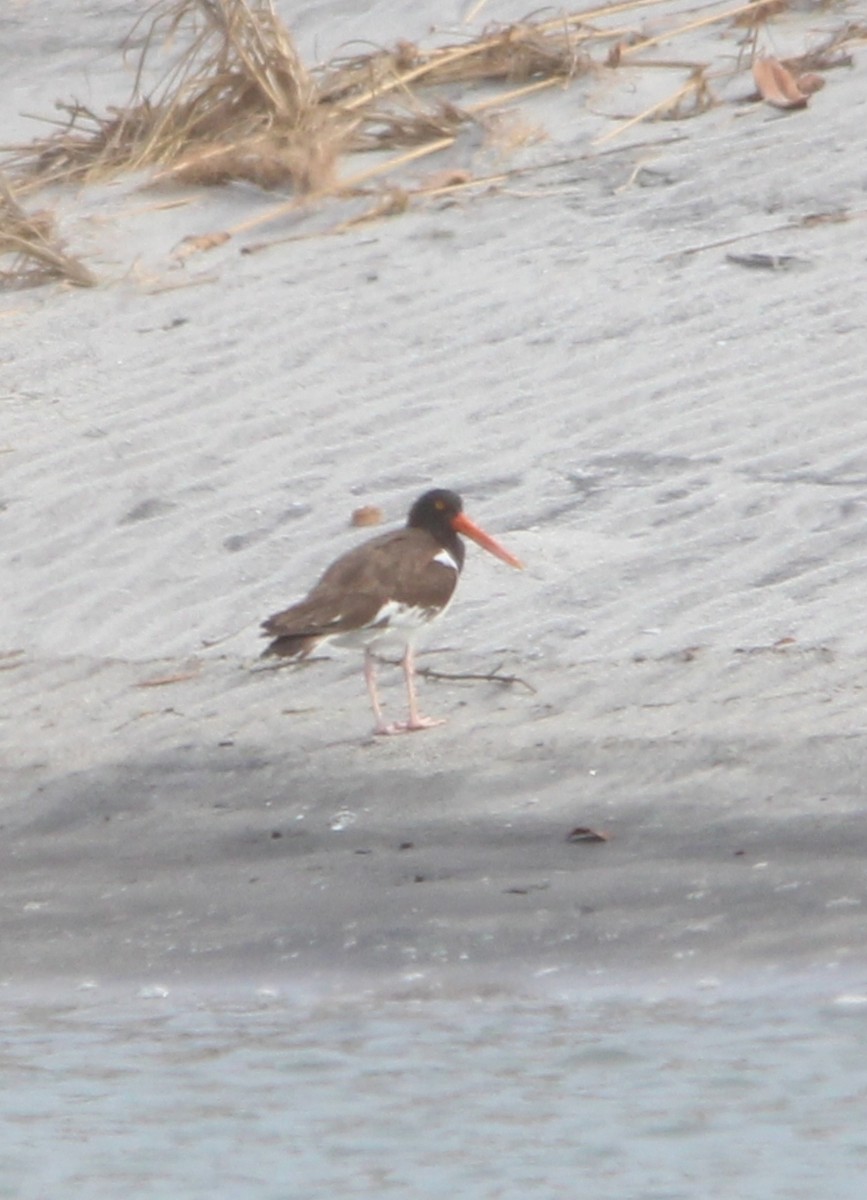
[379,595]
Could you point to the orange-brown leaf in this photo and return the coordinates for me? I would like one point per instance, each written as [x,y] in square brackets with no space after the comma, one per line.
[196,244]
[776,85]
[368,514]
[811,82]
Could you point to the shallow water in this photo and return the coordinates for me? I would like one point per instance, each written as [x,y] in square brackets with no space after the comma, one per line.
[615,1096]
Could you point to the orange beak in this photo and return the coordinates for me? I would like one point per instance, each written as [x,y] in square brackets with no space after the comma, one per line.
[462,524]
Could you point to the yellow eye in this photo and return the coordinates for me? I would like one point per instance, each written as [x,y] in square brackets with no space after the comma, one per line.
[440,504]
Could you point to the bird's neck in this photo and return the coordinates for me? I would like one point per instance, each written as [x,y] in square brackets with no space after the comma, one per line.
[453,544]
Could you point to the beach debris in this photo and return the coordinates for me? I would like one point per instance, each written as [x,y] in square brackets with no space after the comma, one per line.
[31,242]
[810,82]
[367,514]
[769,262]
[829,54]
[447,180]
[183,676]
[760,12]
[808,221]
[195,244]
[776,84]
[221,93]
[493,676]
[785,645]
[582,833]
[153,991]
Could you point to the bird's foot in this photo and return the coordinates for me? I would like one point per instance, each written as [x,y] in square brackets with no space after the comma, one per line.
[413,725]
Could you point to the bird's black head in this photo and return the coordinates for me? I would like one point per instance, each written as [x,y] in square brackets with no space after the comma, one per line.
[435,512]
[435,509]
[441,514]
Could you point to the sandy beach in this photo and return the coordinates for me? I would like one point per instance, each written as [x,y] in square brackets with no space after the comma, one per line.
[246,948]
[672,441]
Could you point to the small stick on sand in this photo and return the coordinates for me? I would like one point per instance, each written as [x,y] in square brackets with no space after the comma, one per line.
[489,676]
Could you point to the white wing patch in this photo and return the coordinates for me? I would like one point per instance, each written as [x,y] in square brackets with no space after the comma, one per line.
[394,625]
[443,556]
[405,617]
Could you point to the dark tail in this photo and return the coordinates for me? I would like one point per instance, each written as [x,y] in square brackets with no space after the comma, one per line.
[291,647]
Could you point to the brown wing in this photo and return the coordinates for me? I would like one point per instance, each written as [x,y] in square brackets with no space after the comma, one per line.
[397,567]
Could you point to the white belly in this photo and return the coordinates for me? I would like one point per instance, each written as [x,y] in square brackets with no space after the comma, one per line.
[393,627]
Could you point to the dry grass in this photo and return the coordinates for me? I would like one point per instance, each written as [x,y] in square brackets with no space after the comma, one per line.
[513,54]
[221,93]
[833,52]
[29,245]
[235,101]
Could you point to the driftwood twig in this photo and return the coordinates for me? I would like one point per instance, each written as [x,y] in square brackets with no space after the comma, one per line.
[491,676]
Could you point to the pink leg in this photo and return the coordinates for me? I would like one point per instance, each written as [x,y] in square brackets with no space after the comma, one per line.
[370,680]
[416,720]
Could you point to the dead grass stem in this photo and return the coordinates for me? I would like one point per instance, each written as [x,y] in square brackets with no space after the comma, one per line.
[220,93]
[234,101]
[29,241]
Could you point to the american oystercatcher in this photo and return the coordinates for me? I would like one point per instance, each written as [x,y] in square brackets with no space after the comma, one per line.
[379,595]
